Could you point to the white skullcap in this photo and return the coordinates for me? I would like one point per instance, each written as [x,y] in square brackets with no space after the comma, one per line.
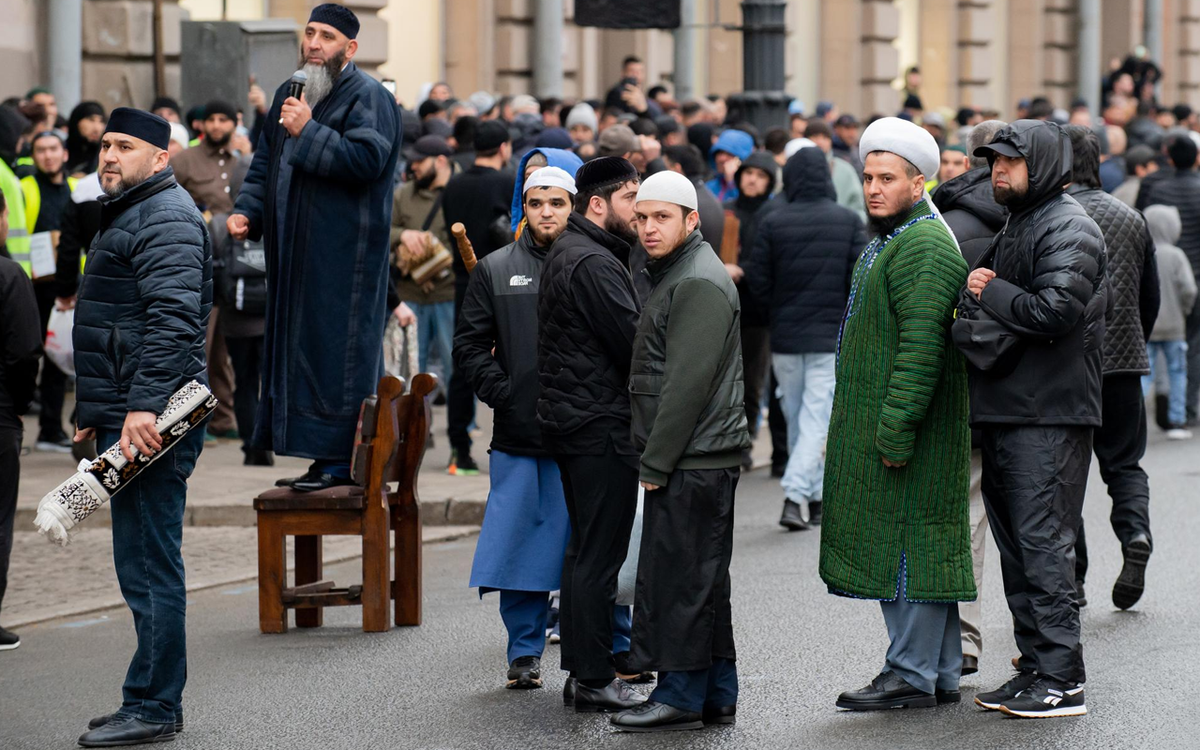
[550,177]
[669,187]
[904,139]
[795,145]
[179,134]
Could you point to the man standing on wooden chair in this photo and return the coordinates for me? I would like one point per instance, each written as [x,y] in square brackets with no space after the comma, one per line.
[525,527]
[319,195]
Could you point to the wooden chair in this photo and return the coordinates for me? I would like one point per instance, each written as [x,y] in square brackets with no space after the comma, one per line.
[389,448]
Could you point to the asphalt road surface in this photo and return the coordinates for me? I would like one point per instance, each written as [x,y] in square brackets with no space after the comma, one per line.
[441,685]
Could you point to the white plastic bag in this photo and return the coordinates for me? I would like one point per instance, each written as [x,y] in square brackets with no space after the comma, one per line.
[59,347]
[627,578]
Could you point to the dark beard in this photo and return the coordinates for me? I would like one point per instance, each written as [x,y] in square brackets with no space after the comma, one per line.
[1007,197]
[543,239]
[220,142]
[423,183]
[882,226]
[613,225]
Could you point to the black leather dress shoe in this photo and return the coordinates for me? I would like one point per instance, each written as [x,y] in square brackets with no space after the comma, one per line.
[791,519]
[888,690]
[626,671]
[289,481]
[656,717]
[569,692]
[615,696]
[970,665]
[100,721]
[947,696]
[720,714]
[127,731]
[319,480]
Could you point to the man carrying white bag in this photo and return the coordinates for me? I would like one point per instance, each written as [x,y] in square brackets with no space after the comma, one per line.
[140,322]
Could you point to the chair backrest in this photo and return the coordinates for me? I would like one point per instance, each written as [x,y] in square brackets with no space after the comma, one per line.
[376,433]
[412,416]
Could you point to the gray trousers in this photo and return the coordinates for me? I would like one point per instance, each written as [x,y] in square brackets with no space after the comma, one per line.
[970,612]
[926,648]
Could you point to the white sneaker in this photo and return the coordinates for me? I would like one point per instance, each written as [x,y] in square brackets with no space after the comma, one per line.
[1179,433]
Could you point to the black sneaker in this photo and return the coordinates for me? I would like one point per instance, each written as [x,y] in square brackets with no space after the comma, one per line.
[525,673]
[791,519]
[52,444]
[9,640]
[993,699]
[1046,698]
[462,465]
[1132,581]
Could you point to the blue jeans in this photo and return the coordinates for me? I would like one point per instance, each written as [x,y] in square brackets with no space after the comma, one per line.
[715,687]
[435,327]
[147,528]
[806,395]
[1175,352]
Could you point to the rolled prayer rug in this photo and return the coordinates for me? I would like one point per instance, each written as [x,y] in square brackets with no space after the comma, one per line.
[98,480]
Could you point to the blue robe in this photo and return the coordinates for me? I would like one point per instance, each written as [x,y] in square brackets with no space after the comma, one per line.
[322,203]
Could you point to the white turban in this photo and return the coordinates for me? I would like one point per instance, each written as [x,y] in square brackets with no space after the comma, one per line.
[911,142]
[904,139]
[795,145]
[550,177]
[669,187]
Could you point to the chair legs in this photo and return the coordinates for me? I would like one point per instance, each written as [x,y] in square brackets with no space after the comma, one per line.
[376,579]
[308,570]
[272,570]
[406,590]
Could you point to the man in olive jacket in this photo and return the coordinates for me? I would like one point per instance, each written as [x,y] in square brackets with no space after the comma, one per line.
[688,343]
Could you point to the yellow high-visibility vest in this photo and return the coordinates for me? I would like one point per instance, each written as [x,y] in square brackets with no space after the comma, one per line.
[18,235]
[33,206]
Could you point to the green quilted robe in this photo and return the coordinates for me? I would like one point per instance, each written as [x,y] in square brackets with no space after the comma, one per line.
[902,395]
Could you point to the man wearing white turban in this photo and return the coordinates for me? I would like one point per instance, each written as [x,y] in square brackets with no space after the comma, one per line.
[896,515]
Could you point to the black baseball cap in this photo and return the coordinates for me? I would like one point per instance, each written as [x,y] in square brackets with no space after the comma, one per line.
[998,147]
[426,146]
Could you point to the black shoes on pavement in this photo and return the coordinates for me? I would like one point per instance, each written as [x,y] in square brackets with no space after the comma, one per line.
[1132,581]
[569,691]
[1046,698]
[814,512]
[627,672]
[993,699]
[100,721]
[791,519]
[525,673]
[126,730]
[652,716]
[615,696]
[9,640]
[462,465]
[889,690]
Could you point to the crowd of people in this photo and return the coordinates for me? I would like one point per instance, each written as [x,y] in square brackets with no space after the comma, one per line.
[939,319]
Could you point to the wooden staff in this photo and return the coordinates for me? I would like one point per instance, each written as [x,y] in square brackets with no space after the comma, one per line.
[464,245]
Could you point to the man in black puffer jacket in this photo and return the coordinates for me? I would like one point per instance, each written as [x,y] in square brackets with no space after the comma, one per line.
[525,527]
[1046,282]
[1120,442]
[799,272]
[140,321]
[587,316]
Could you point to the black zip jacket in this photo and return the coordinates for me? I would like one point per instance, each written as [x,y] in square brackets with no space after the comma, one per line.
[1051,289]
[20,344]
[500,312]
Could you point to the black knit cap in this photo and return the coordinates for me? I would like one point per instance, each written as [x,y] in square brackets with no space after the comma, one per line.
[140,124]
[220,107]
[490,135]
[337,16]
[606,170]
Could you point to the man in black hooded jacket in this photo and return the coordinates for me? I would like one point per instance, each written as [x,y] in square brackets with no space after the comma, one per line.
[1045,281]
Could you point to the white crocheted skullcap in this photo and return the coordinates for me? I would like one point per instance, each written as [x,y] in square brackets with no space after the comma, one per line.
[904,139]
[550,177]
[669,187]
[794,145]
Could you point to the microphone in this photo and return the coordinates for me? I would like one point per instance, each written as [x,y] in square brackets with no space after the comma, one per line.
[296,85]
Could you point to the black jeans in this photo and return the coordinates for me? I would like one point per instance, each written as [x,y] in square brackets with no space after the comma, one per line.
[246,355]
[601,493]
[460,399]
[10,470]
[53,383]
[1119,444]
[756,363]
[1034,480]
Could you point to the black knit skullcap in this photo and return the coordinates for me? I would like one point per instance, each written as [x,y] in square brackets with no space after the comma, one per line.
[606,170]
[168,102]
[490,135]
[337,16]
[220,107]
[140,124]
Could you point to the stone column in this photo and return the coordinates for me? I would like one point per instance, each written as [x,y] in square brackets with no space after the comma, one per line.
[1060,52]
[879,26]
[976,54]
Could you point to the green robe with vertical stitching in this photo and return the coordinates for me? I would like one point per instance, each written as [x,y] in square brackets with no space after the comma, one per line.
[902,395]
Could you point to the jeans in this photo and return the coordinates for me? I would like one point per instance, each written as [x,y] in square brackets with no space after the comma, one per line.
[715,687]
[806,394]
[435,327]
[1176,355]
[147,528]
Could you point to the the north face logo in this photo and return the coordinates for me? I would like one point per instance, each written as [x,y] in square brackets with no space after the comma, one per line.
[520,280]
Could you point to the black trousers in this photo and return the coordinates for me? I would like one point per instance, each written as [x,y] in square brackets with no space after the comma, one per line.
[53,383]
[777,423]
[1193,365]
[460,399]
[10,470]
[1119,444]
[601,493]
[246,355]
[1034,480]
[684,620]
[756,363]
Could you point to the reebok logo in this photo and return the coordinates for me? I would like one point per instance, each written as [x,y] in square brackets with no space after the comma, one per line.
[520,280]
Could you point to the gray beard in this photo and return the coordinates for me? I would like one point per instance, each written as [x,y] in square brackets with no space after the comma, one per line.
[320,83]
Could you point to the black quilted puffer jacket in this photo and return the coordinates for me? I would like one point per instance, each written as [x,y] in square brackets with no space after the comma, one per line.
[1050,288]
[1132,280]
